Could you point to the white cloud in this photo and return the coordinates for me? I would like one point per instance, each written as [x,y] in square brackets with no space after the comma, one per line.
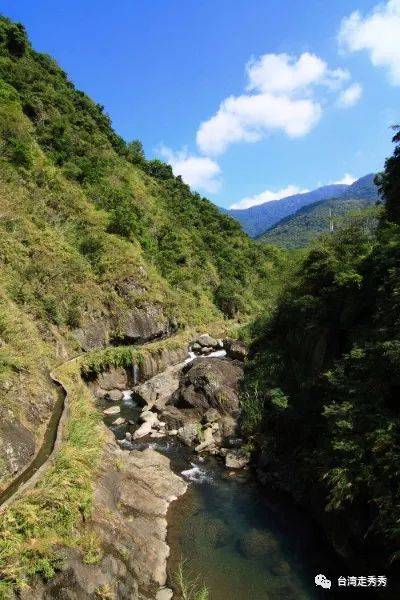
[249,117]
[199,172]
[267,196]
[347,179]
[378,34]
[350,96]
[280,98]
[281,73]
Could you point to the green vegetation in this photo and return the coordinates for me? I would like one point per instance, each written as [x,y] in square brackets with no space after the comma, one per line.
[188,587]
[46,516]
[89,230]
[322,387]
[298,230]
[98,361]
[79,200]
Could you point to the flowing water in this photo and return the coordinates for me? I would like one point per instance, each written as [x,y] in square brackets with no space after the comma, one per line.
[43,453]
[242,542]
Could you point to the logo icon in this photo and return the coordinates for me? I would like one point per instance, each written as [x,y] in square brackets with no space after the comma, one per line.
[323,582]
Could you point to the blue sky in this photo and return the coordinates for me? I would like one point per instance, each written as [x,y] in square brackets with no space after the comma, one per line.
[246,98]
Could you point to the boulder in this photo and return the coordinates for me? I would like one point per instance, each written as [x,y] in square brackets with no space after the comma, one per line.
[113,410]
[142,431]
[235,349]
[209,383]
[148,417]
[157,391]
[115,378]
[206,350]
[207,340]
[164,594]
[237,459]
[258,543]
[142,324]
[228,426]
[114,395]
[119,421]
[212,415]
[175,418]
[188,433]
[206,440]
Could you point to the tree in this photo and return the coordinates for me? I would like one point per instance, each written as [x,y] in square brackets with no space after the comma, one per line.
[135,152]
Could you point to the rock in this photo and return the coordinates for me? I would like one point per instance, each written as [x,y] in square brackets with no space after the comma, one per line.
[114,395]
[128,436]
[235,349]
[223,451]
[157,434]
[237,459]
[206,440]
[206,350]
[115,378]
[214,426]
[207,340]
[113,410]
[211,415]
[234,442]
[158,390]
[228,426]
[175,418]
[164,594]
[143,430]
[173,432]
[97,391]
[188,433]
[195,347]
[119,421]
[142,324]
[258,543]
[157,362]
[209,383]
[148,417]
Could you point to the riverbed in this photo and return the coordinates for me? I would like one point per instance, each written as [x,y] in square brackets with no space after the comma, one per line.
[239,539]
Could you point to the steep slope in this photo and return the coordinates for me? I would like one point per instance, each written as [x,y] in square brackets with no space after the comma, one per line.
[298,230]
[323,386]
[97,244]
[257,219]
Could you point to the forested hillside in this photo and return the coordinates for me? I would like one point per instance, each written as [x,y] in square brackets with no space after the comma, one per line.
[298,230]
[323,386]
[257,219]
[97,244]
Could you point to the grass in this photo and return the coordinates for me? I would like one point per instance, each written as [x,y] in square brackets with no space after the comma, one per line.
[48,515]
[189,588]
[96,361]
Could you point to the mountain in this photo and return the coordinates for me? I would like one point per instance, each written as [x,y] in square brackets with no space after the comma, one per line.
[257,219]
[99,247]
[322,382]
[306,224]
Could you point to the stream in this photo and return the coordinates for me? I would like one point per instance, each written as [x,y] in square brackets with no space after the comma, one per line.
[241,540]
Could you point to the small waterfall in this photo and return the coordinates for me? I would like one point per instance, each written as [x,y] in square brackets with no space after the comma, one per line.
[135,369]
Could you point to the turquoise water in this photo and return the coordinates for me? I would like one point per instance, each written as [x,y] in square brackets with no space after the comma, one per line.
[237,543]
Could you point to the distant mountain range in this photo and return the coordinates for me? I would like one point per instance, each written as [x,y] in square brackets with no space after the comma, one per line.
[298,230]
[257,220]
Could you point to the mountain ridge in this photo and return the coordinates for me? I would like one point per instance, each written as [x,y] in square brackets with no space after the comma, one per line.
[300,228]
[256,220]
